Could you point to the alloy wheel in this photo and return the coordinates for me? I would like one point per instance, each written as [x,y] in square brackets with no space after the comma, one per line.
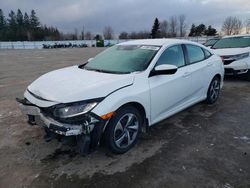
[126,130]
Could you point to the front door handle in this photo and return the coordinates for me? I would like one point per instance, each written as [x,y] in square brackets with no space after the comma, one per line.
[186,74]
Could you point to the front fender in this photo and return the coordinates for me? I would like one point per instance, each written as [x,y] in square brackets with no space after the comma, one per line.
[123,96]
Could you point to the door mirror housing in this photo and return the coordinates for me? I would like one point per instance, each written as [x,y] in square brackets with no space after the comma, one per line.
[90,59]
[164,69]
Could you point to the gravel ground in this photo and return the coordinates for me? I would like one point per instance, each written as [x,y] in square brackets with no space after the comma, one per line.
[203,146]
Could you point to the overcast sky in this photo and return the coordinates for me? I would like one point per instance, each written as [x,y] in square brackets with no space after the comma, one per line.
[127,15]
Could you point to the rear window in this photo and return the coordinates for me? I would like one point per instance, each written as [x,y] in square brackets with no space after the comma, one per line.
[195,54]
[233,42]
[207,53]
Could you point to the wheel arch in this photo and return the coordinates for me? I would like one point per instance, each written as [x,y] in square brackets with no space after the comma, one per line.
[141,109]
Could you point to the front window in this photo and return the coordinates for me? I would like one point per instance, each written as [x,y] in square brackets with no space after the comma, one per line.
[172,56]
[232,42]
[123,59]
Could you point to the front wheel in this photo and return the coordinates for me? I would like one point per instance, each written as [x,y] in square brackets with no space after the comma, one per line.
[123,129]
[213,91]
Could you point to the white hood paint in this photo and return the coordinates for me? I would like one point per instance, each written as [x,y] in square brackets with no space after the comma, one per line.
[74,84]
[231,51]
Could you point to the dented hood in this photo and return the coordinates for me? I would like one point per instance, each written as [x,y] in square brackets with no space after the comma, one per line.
[74,84]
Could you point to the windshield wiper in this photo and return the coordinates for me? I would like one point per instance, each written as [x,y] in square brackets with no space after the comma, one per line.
[106,71]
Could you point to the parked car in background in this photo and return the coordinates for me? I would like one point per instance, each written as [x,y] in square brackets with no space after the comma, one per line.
[122,91]
[211,42]
[235,50]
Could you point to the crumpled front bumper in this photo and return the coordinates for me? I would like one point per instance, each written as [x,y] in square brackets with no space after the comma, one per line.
[51,124]
[87,130]
[37,117]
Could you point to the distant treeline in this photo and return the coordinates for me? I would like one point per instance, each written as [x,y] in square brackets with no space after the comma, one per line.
[25,27]
[17,26]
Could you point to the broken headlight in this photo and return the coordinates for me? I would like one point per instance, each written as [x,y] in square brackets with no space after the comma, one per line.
[74,110]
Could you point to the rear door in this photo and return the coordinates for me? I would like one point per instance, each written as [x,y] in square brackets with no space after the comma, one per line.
[201,66]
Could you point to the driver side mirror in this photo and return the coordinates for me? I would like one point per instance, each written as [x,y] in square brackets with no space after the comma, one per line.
[164,69]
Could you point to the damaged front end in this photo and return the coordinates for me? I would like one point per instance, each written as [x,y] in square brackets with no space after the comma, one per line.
[68,120]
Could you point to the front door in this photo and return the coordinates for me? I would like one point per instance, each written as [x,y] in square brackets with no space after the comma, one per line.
[170,92]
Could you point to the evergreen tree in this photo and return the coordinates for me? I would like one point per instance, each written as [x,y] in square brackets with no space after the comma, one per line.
[155,33]
[19,27]
[2,20]
[200,30]
[12,22]
[192,31]
[12,26]
[211,31]
[34,21]
[2,25]
[26,20]
[19,17]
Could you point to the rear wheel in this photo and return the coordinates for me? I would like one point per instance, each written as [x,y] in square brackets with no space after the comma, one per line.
[123,129]
[213,91]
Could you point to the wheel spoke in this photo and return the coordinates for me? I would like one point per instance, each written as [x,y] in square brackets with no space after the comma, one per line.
[217,88]
[131,117]
[119,141]
[128,137]
[119,127]
[133,128]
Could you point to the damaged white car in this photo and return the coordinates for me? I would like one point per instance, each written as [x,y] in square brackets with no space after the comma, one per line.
[122,91]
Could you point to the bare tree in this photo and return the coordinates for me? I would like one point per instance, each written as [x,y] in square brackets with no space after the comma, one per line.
[238,27]
[164,28]
[247,26]
[182,25]
[123,35]
[108,33]
[173,25]
[82,33]
[232,26]
[139,35]
[88,35]
[75,35]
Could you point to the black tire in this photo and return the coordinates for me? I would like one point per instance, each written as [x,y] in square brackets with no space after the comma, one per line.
[213,90]
[120,138]
[248,75]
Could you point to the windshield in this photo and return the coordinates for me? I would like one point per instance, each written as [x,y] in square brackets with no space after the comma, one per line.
[234,42]
[123,59]
[211,42]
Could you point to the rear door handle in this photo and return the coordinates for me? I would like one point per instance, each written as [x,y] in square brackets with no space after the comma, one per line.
[209,64]
[186,74]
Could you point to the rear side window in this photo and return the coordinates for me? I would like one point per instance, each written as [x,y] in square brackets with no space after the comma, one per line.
[207,53]
[195,53]
[172,56]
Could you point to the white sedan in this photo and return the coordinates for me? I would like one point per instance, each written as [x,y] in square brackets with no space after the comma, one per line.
[235,53]
[123,90]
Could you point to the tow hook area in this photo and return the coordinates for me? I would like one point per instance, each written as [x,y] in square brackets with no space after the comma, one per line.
[83,143]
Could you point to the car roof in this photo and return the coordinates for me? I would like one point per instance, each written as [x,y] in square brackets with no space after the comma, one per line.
[233,36]
[157,42]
